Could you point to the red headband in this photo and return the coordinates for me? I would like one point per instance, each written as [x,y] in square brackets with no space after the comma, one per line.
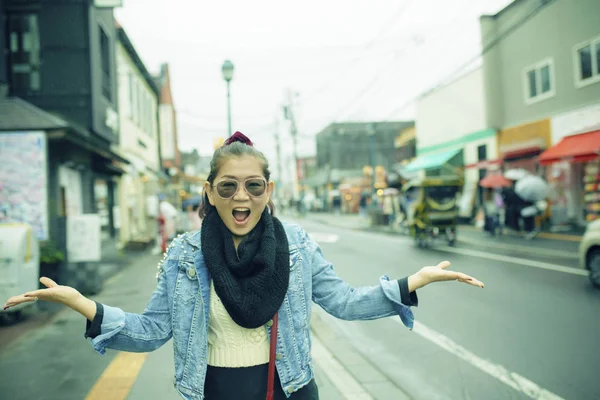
[238,137]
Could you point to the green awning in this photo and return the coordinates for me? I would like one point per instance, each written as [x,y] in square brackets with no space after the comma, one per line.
[432,161]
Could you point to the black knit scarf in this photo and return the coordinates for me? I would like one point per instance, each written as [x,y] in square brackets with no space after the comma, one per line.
[253,281]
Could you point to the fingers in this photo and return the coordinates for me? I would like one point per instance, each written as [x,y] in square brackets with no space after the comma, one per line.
[469,279]
[444,264]
[48,282]
[16,300]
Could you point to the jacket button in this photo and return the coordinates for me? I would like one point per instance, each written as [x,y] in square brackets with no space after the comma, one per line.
[270,323]
[191,272]
[290,389]
[279,357]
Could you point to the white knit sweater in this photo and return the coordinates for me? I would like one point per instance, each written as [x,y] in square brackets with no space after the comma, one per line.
[230,345]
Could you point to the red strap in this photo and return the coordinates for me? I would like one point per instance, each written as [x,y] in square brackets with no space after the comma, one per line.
[271,379]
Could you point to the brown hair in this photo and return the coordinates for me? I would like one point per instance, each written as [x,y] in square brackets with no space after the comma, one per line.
[235,149]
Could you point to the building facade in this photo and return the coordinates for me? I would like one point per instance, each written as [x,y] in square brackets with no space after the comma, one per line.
[58,60]
[139,143]
[538,77]
[453,137]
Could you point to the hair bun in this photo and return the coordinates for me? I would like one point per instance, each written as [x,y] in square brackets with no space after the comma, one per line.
[238,137]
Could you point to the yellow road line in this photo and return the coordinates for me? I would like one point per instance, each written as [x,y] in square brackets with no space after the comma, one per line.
[118,378]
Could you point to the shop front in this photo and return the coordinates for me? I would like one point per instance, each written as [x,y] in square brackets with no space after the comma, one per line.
[574,172]
[571,166]
[520,146]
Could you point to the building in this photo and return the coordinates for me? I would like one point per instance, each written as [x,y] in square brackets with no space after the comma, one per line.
[346,155]
[453,136]
[542,86]
[58,63]
[140,144]
[171,159]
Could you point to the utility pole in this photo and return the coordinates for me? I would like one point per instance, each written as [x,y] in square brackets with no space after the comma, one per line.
[288,111]
[279,164]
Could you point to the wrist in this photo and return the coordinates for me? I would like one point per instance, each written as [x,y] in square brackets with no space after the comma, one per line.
[84,306]
[416,281]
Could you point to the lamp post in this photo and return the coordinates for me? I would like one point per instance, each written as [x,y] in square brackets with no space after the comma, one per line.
[371,133]
[227,70]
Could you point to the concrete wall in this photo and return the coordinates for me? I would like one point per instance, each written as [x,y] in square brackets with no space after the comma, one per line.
[452,111]
[550,34]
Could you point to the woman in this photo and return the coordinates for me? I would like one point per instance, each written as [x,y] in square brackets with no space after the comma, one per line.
[222,290]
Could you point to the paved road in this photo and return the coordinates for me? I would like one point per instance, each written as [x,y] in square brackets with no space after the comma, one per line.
[531,333]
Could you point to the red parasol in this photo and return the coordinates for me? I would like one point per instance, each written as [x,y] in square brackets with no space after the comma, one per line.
[495,181]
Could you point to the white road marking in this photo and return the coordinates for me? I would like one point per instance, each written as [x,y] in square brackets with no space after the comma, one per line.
[514,260]
[512,379]
[320,237]
[337,373]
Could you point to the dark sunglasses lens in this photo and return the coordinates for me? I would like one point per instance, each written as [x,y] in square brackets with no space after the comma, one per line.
[227,189]
[256,187]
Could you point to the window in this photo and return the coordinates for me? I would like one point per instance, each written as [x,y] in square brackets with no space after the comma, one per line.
[587,62]
[24,45]
[482,152]
[539,81]
[105,63]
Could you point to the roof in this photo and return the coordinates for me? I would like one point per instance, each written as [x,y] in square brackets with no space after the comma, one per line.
[17,114]
[361,127]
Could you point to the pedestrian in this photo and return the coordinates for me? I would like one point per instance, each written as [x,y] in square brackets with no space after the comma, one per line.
[224,289]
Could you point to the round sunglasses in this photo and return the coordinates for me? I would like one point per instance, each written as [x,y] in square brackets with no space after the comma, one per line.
[227,188]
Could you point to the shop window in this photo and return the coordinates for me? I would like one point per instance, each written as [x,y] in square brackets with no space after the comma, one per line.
[24,46]
[539,81]
[587,62]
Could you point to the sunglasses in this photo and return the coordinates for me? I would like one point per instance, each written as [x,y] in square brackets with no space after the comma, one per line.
[228,188]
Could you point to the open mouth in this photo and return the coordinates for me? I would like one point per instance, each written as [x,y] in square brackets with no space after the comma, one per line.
[241,215]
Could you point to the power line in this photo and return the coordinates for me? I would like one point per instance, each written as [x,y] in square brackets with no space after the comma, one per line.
[493,43]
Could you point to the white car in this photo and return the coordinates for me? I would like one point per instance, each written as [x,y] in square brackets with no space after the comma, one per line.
[589,252]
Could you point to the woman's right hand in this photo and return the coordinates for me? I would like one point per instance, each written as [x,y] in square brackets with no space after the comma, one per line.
[54,293]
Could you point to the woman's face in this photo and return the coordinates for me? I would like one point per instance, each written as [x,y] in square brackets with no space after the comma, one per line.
[241,211]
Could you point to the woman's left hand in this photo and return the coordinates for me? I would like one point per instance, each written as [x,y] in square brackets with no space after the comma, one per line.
[439,273]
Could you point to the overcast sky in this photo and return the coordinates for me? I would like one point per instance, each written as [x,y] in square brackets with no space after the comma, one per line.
[345,60]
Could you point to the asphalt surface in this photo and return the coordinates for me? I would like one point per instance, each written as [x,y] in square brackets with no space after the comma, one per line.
[531,333]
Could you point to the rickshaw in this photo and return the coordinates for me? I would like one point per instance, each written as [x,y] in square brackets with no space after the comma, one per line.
[431,208]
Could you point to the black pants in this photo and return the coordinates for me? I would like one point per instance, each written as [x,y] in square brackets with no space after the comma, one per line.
[249,383]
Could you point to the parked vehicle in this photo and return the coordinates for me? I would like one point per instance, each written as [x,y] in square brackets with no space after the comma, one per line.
[589,252]
[431,208]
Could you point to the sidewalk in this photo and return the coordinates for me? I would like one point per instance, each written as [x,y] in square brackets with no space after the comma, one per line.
[467,234]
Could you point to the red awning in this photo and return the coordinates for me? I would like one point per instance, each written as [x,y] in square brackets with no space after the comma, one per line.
[577,148]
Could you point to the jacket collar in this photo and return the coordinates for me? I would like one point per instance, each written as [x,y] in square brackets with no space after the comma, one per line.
[193,238]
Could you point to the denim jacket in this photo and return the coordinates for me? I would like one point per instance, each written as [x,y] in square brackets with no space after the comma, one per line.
[179,308]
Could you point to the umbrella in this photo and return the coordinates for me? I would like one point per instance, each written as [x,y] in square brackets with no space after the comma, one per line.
[532,188]
[495,181]
[516,174]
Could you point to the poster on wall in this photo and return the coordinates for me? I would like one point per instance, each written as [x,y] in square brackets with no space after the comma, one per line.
[83,238]
[24,181]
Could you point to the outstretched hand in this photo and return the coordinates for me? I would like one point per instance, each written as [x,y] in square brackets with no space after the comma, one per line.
[54,293]
[440,273]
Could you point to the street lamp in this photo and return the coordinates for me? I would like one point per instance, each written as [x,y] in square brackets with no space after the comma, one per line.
[227,70]
[371,133]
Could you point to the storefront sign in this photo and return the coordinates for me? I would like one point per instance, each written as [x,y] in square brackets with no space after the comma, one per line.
[574,122]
